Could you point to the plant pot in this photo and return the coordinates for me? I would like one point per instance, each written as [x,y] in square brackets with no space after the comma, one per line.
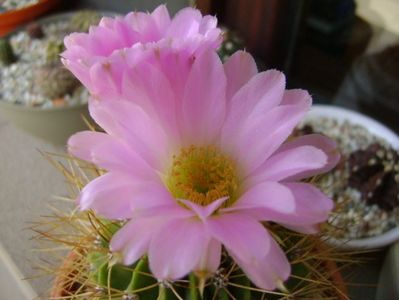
[9,20]
[53,124]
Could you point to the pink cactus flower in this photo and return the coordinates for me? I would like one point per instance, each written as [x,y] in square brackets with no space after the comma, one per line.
[200,163]
[188,31]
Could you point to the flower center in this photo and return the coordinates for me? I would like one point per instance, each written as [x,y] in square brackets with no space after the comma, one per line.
[203,175]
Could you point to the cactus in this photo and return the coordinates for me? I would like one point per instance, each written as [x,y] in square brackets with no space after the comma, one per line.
[82,20]
[96,272]
[108,279]
[53,50]
[7,55]
[53,81]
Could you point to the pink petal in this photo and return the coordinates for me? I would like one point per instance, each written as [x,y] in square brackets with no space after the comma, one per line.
[106,79]
[110,195]
[185,23]
[242,236]
[80,70]
[269,272]
[86,53]
[251,246]
[170,210]
[328,146]
[82,143]
[210,260]
[252,141]
[177,248]
[151,197]
[132,124]
[288,163]
[207,24]
[311,202]
[146,86]
[204,99]
[295,97]
[203,212]
[110,153]
[259,95]
[239,69]
[133,239]
[115,39]
[161,17]
[119,196]
[145,25]
[310,205]
[267,197]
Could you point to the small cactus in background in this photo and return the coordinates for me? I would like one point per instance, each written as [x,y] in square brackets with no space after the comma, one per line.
[82,20]
[35,30]
[232,42]
[53,81]
[7,55]
[53,51]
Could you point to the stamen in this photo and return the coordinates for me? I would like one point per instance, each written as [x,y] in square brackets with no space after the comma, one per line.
[203,175]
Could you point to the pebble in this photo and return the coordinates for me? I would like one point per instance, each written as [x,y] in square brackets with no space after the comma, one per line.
[352,217]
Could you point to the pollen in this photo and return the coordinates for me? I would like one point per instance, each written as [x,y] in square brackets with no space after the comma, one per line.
[203,175]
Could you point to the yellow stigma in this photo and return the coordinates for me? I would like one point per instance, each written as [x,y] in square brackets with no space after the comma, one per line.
[203,175]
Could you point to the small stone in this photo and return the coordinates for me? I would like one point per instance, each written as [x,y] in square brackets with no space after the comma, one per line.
[35,30]
[380,153]
[59,102]
[388,168]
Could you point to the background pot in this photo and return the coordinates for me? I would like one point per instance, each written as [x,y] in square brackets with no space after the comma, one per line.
[54,124]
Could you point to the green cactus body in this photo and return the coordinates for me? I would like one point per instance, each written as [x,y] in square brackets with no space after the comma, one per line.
[53,51]
[7,55]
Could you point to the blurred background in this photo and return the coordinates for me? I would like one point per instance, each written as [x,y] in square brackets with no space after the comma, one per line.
[345,52]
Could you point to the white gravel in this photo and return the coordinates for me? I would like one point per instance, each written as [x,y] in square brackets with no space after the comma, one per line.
[16,80]
[16,4]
